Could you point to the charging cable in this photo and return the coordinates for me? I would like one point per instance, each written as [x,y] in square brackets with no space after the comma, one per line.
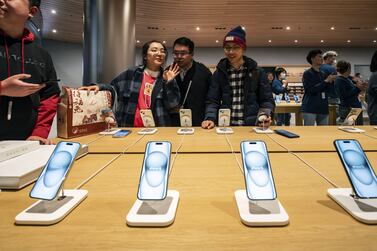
[108,163]
[305,162]
[234,154]
[176,154]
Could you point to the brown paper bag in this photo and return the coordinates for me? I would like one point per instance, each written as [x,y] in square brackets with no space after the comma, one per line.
[79,114]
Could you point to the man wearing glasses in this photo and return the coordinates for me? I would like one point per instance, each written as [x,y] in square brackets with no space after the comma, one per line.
[239,85]
[193,80]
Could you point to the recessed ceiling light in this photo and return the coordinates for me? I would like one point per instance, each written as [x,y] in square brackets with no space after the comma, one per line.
[137,41]
[374,41]
[217,41]
[296,41]
[332,28]
[287,28]
[270,41]
[53,11]
[322,41]
[164,42]
[54,31]
[348,41]
[376,28]
[197,28]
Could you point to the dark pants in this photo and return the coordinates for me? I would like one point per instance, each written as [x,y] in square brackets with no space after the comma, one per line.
[283,119]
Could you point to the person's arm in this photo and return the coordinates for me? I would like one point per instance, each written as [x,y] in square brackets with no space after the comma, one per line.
[46,113]
[213,98]
[311,85]
[277,87]
[172,94]
[372,88]
[265,101]
[342,91]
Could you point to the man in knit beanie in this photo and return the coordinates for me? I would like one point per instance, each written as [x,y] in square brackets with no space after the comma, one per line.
[239,85]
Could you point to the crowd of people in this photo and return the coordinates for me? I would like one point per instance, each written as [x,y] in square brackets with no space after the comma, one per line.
[27,106]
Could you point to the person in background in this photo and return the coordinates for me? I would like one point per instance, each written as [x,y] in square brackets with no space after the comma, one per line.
[193,80]
[280,87]
[240,85]
[347,89]
[270,77]
[328,68]
[372,91]
[315,103]
[27,107]
[144,87]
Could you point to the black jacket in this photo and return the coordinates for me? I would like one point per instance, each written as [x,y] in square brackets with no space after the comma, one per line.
[34,61]
[257,91]
[200,77]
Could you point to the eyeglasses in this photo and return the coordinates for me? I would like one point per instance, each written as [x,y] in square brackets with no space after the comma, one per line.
[230,48]
[181,53]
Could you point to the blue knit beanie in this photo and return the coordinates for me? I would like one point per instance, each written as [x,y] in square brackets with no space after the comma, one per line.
[236,35]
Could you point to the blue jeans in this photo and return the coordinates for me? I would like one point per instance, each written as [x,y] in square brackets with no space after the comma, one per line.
[310,119]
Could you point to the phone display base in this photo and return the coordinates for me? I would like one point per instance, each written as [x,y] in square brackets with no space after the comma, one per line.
[363,210]
[260,213]
[262,131]
[224,130]
[351,129]
[185,130]
[154,213]
[45,212]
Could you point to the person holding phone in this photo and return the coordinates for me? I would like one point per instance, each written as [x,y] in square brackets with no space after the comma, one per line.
[240,85]
[348,89]
[372,91]
[27,107]
[144,87]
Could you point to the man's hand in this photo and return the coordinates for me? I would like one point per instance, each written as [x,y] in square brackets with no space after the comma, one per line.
[41,140]
[208,124]
[15,87]
[330,79]
[171,73]
[264,121]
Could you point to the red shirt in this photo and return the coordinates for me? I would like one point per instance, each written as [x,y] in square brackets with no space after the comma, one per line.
[145,97]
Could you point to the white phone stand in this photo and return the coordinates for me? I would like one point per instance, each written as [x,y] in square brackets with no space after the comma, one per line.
[364,210]
[351,129]
[260,130]
[224,130]
[261,212]
[154,213]
[147,131]
[186,130]
[45,212]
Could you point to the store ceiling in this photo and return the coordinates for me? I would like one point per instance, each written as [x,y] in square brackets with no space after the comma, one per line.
[354,21]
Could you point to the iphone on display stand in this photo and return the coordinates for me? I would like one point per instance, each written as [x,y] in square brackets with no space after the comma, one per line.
[154,175]
[147,118]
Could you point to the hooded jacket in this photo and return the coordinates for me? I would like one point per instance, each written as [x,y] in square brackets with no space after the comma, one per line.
[30,115]
[257,91]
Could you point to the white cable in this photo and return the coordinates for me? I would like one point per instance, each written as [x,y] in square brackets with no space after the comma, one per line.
[175,155]
[108,163]
[306,163]
[100,137]
[369,136]
[234,154]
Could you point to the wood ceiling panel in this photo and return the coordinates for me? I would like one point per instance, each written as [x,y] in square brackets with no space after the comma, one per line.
[310,21]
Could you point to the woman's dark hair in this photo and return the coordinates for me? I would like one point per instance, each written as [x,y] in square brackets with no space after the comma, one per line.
[312,54]
[373,63]
[279,70]
[186,42]
[343,66]
[146,47]
[36,3]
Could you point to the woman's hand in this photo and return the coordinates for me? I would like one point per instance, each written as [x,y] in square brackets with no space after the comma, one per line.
[171,73]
